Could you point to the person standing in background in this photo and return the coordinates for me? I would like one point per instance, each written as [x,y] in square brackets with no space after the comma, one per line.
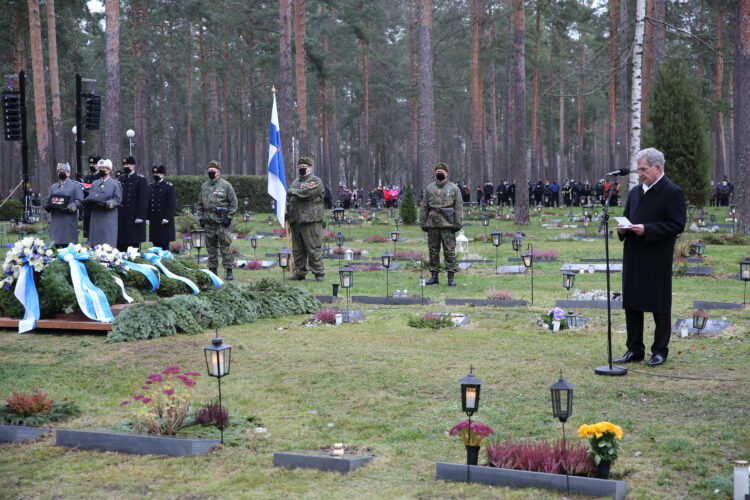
[161,205]
[64,199]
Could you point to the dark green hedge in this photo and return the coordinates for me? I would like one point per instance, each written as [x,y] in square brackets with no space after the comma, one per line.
[13,209]
[253,187]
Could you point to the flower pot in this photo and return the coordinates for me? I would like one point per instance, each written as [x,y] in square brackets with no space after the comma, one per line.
[472,455]
[556,325]
[602,469]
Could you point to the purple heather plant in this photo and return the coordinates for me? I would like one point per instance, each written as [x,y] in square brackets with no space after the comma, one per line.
[540,457]
[327,316]
[212,414]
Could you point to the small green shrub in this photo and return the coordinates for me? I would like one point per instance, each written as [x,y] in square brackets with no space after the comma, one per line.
[143,320]
[431,320]
[13,209]
[408,206]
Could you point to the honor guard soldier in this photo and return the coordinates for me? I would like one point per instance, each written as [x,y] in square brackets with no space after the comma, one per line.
[441,216]
[88,179]
[161,205]
[104,198]
[216,207]
[305,207]
[131,219]
[64,199]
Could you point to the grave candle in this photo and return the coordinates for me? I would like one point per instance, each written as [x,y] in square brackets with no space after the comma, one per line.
[471,397]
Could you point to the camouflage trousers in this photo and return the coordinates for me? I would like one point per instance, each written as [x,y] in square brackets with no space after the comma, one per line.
[446,236]
[219,239]
[306,248]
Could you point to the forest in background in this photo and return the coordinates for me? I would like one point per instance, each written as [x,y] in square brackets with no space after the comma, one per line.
[548,78]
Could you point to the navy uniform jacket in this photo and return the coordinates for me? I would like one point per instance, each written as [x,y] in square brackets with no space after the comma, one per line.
[161,206]
[134,206]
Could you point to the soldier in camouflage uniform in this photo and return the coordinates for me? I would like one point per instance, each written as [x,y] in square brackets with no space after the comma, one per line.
[441,216]
[305,209]
[216,207]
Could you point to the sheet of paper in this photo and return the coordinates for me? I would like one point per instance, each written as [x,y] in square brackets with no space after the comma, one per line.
[622,222]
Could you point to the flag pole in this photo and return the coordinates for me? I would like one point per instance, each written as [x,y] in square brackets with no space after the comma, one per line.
[286,222]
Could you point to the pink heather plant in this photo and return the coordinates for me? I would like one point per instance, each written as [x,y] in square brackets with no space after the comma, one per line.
[376,238]
[544,254]
[408,254]
[494,294]
[280,231]
[253,265]
[366,267]
[327,316]
[541,457]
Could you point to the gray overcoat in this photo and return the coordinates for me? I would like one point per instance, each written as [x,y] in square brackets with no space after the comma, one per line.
[63,225]
[103,225]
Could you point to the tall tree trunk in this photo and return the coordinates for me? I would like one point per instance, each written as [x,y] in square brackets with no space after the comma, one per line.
[175,161]
[612,131]
[286,83]
[189,165]
[635,97]
[204,96]
[622,132]
[113,125]
[54,84]
[721,152]
[742,114]
[659,35]
[563,165]
[257,167]
[519,115]
[163,105]
[427,136]
[581,101]
[730,148]
[141,96]
[299,65]
[333,139]
[507,101]
[476,99]
[647,64]
[213,99]
[553,165]
[493,171]
[364,177]
[535,100]
[226,102]
[40,98]
[416,179]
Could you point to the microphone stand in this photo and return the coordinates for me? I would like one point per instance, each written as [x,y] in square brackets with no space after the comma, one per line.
[612,371]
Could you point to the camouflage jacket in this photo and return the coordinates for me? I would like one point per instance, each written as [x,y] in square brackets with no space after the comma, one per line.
[216,194]
[441,195]
[305,200]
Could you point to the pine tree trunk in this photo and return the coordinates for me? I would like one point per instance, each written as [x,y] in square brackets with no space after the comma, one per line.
[286,84]
[364,177]
[659,35]
[535,100]
[163,106]
[138,17]
[507,102]
[40,99]
[519,115]
[493,170]
[113,125]
[204,98]
[742,114]
[581,102]
[256,167]
[213,99]
[721,152]
[416,179]
[647,63]
[561,131]
[333,139]
[476,99]
[612,130]
[635,97]
[553,165]
[299,64]
[622,132]
[58,153]
[189,165]
[427,136]
[176,160]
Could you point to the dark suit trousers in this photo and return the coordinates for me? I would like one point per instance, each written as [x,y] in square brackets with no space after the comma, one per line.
[634,325]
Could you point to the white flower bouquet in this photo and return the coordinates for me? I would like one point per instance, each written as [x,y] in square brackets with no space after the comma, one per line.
[28,250]
[108,256]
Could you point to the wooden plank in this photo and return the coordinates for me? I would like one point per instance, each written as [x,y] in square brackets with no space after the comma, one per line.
[67,321]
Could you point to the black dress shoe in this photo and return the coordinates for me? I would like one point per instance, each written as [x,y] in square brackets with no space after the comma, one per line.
[629,357]
[656,360]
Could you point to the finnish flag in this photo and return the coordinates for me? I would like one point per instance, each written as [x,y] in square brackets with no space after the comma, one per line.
[276,176]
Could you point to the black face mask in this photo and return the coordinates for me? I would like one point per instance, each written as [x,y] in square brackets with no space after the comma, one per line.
[440,176]
[102,174]
[62,175]
[302,171]
[211,174]
[157,178]
[126,170]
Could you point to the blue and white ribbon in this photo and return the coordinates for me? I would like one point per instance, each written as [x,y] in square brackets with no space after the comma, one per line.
[147,271]
[91,300]
[156,254]
[122,289]
[214,278]
[27,295]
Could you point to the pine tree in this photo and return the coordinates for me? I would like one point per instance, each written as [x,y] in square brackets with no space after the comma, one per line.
[408,207]
[678,129]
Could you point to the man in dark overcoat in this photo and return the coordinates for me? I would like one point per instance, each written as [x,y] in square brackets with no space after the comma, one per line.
[656,210]
[161,205]
[131,216]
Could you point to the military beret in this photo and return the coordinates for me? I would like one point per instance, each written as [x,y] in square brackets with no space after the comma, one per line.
[214,164]
[128,160]
[441,166]
[94,159]
[159,169]
[304,160]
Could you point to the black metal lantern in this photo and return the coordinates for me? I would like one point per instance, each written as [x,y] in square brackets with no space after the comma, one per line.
[186,209]
[346,277]
[198,237]
[254,241]
[338,214]
[246,200]
[187,243]
[269,220]
[745,277]
[218,359]
[386,259]
[485,220]
[733,210]
[539,209]
[497,238]
[500,211]
[517,241]
[702,220]
[691,210]
[562,399]
[284,255]
[470,387]
[394,235]
[699,248]
[569,278]
[528,261]
[596,214]
[700,318]
[339,239]
[245,217]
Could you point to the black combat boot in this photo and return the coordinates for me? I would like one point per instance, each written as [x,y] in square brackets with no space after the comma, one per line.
[214,270]
[433,280]
[450,279]
[229,274]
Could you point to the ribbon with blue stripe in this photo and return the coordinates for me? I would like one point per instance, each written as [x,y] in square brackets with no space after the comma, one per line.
[145,270]
[91,300]
[214,278]
[156,254]
[27,295]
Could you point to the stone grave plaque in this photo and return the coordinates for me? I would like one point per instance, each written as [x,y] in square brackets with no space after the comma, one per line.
[703,304]
[328,299]
[699,271]
[712,326]
[391,301]
[351,316]
[599,260]
[486,302]
[599,268]
[463,266]
[510,270]
[587,304]
[694,260]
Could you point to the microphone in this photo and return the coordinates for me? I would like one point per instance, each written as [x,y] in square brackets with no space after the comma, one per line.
[622,171]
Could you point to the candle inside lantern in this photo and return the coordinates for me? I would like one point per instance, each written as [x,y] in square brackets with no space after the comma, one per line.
[471,397]
[217,363]
[338,449]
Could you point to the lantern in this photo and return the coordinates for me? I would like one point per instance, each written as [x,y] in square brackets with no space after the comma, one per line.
[691,210]
[254,241]
[394,239]
[187,243]
[516,242]
[699,248]
[700,318]
[497,238]
[485,221]
[745,270]
[245,217]
[269,220]
[462,243]
[733,210]
[339,239]
[470,387]
[562,399]
[346,280]
[284,255]
[569,278]
[386,259]
[528,261]
[218,358]
[198,236]
[571,320]
[338,214]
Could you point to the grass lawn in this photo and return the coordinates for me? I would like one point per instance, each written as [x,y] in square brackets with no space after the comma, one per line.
[393,389]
